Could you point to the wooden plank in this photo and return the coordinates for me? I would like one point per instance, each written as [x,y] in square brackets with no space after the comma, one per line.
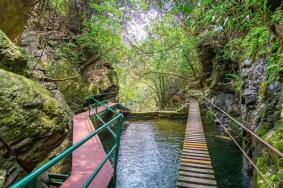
[197,175]
[195,151]
[194,169]
[192,185]
[196,161]
[195,165]
[194,136]
[194,154]
[195,148]
[195,157]
[194,144]
[200,181]
[190,138]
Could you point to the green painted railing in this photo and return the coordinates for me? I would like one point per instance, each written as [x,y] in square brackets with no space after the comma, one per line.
[30,180]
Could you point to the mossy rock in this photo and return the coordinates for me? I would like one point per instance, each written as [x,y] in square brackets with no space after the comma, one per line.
[11,58]
[76,91]
[14,15]
[32,123]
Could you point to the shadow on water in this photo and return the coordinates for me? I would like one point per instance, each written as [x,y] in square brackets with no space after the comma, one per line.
[149,153]
[228,162]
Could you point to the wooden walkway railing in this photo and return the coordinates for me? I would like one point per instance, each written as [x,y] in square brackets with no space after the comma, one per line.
[195,169]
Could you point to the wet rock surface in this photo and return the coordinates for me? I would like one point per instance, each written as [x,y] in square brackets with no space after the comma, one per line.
[227,102]
[259,98]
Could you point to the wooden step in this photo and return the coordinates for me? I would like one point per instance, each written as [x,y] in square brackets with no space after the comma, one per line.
[206,166]
[192,185]
[194,139]
[199,170]
[195,148]
[195,151]
[197,175]
[194,142]
[195,145]
[194,157]
[194,154]
[200,181]
[196,161]
[195,169]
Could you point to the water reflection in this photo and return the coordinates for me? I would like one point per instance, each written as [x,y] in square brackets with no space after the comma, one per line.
[149,154]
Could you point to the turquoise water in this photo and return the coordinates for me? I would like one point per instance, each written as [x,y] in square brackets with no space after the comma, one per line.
[228,162]
[149,153]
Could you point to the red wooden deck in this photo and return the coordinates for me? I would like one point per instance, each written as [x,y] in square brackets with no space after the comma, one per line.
[87,157]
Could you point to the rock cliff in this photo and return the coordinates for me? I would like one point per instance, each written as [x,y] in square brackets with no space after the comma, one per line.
[33,123]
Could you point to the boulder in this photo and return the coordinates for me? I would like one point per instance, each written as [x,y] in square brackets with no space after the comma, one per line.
[32,124]
[14,15]
[11,58]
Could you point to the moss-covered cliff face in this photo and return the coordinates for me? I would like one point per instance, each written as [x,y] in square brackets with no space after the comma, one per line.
[14,15]
[250,91]
[11,58]
[239,47]
[59,60]
[96,78]
[41,85]
[32,122]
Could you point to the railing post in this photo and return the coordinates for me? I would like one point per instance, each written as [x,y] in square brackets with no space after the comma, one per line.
[95,107]
[89,107]
[118,135]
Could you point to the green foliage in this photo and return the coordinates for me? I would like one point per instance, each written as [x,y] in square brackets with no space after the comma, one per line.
[104,30]
[275,60]
[236,81]
[277,16]
[262,88]
[256,41]
[61,6]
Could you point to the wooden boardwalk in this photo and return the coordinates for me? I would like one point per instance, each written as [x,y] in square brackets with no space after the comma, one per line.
[195,169]
[87,157]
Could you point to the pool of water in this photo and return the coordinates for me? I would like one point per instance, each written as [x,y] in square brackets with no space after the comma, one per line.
[149,153]
[228,162]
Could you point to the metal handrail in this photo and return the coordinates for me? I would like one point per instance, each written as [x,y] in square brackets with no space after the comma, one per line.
[101,104]
[116,136]
[240,148]
[88,182]
[101,94]
[247,129]
[29,180]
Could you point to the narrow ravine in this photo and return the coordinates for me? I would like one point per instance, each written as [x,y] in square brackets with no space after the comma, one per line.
[153,57]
